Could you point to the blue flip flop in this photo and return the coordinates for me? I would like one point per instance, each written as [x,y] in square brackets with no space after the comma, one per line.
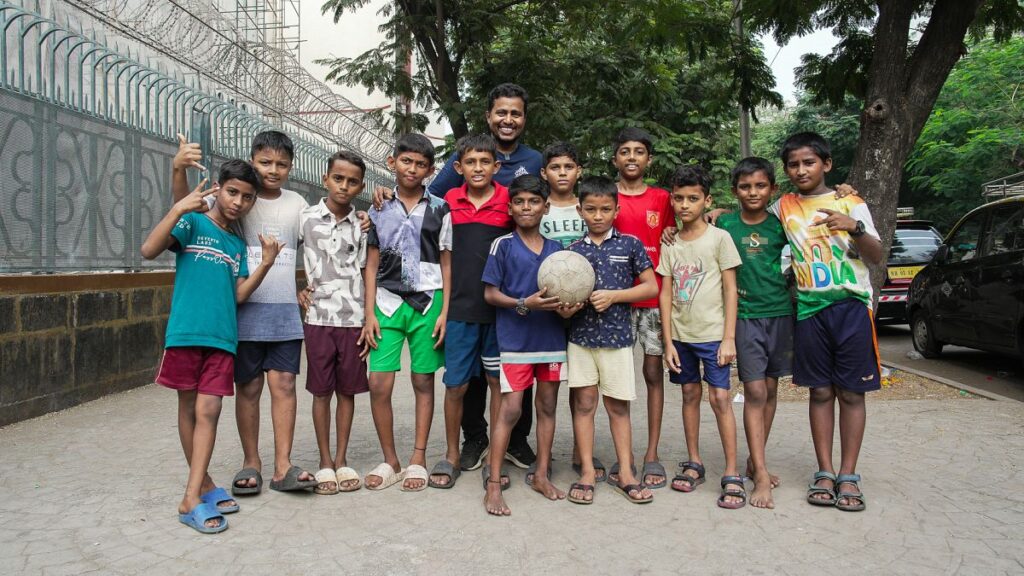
[218,495]
[200,514]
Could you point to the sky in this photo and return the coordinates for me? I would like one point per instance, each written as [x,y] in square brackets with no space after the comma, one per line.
[357,32]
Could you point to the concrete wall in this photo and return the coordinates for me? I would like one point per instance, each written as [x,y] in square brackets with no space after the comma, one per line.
[61,348]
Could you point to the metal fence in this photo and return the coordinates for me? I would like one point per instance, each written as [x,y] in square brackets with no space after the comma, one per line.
[86,148]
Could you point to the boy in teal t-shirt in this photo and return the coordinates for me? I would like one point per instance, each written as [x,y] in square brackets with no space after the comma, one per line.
[211,277]
[764,325]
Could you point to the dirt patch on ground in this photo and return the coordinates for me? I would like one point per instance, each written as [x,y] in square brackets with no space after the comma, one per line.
[896,385]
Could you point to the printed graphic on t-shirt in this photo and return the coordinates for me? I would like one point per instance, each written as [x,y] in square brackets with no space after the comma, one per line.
[687,279]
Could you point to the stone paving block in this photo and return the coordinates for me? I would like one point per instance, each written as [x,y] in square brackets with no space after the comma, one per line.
[43,311]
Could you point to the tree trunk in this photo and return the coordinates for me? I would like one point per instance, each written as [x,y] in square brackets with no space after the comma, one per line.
[901,93]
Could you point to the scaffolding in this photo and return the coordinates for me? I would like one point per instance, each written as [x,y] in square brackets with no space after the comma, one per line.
[1012,185]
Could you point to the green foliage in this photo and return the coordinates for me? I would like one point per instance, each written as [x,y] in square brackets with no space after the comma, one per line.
[672,68]
[975,133]
[841,127]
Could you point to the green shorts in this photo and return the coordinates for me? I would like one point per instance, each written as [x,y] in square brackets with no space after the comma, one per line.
[407,323]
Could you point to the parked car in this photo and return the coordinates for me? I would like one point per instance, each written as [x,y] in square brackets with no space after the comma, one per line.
[913,246]
[972,292]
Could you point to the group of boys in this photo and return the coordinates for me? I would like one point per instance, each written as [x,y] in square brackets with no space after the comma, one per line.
[377,281]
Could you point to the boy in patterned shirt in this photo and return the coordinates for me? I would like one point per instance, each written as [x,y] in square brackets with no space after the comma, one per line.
[600,351]
[408,268]
[334,253]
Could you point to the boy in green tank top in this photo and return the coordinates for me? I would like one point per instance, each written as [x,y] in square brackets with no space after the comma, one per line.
[764,326]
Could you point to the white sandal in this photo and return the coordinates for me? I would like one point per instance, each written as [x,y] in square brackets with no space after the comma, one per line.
[346,474]
[387,474]
[325,476]
[415,472]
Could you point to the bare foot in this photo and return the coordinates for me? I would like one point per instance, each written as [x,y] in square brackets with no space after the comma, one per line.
[653,479]
[750,474]
[545,487]
[761,497]
[493,500]
[414,483]
[682,485]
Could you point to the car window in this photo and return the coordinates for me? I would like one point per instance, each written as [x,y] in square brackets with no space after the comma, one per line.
[963,244]
[1006,230]
[913,246]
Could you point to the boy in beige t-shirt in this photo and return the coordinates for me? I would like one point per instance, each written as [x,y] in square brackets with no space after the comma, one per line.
[699,298]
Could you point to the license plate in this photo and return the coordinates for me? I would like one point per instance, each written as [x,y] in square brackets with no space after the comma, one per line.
[904,272]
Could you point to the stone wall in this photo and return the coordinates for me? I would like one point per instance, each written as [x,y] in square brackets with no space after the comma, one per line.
[61,348]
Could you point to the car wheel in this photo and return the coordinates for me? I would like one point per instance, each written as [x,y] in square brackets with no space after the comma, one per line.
[923,336]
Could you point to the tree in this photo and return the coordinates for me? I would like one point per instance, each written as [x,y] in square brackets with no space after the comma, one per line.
[975,134]
[894,55]
[674,67]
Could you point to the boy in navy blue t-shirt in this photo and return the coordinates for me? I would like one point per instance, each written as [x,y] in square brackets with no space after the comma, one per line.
[531,337]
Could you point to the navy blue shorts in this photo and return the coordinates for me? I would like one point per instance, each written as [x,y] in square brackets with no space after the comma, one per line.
[837,346]
[691,356]
[467,346]
[253,358]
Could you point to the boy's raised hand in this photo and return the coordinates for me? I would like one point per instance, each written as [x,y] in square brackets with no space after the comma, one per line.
[381,194]
[364,221]
[537,301]
[370,334]
[568,310]
[270,248]
[726,352]
[844,189]
[672,359]
[668,236]
[835,221]
[196,199]
[602,300]
[188,156]
[305,298]
[712,215]
[439,330]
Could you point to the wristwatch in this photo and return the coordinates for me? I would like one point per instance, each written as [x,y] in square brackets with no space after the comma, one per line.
[858,231]
[521,308]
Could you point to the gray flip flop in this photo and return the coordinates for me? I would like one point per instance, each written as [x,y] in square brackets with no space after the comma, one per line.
[615,470]
[291,482]
[598,465]
[245,474]
[444,468]
[485,472]
[654,469]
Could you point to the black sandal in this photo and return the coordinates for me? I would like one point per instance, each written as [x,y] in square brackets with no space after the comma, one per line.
[689,482]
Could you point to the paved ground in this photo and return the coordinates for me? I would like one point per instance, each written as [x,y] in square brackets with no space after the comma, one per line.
[986,371]
[94,490]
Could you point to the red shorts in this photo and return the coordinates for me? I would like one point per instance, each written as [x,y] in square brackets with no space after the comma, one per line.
[333,364]
[210,371]
[517,377]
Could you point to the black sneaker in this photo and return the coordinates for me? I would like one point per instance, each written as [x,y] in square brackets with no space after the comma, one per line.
[521,455]
[473,452]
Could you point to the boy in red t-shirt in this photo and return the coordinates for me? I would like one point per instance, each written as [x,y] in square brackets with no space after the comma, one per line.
[644,212]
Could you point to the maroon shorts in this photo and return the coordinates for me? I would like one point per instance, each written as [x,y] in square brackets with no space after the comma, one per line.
[333,364]
[208,370]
